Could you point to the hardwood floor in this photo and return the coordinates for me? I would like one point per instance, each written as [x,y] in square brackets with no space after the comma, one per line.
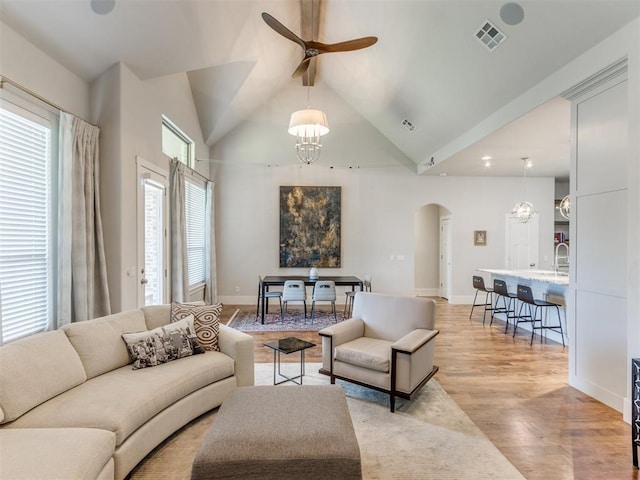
[518,396]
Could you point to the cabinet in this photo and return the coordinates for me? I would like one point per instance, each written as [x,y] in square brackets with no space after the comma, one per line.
[635,409]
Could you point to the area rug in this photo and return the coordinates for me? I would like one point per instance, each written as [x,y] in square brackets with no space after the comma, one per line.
[429,438]
[245,320]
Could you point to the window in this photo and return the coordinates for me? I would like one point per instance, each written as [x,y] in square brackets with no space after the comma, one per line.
[25,220]
[195,196]
[175,143]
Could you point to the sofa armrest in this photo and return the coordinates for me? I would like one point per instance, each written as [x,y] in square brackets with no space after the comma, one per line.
[414,340]
[240,347]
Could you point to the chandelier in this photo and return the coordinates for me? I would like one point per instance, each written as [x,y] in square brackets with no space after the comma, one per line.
[308,126]
[565,207]
[524,211]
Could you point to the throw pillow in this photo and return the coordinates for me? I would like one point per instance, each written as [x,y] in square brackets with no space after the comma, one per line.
[162,344]
[207,321]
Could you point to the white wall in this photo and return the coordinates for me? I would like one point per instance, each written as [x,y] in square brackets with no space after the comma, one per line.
[27,65]
[378,207]
[129,112]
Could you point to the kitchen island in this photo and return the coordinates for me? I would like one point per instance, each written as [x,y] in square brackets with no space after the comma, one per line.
[545,284]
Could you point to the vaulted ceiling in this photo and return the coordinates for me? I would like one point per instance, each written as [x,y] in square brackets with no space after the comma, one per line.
[428,66]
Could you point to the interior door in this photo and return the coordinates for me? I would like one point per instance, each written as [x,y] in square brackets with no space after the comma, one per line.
[521,243]
[445,257]
[153,249]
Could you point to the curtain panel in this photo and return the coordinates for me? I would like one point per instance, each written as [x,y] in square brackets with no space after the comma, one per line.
[179,273]
[83,291]
[211,287]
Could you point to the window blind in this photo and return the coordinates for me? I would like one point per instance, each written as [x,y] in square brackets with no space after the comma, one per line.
[24,223]
[195,223]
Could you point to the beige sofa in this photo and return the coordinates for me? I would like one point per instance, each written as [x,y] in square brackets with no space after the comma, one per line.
[72,407]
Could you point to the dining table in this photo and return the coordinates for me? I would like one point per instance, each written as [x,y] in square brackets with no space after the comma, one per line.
[278,280]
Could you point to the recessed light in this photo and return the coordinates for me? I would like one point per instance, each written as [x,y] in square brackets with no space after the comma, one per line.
[487,163]
[443,174]
[486,157]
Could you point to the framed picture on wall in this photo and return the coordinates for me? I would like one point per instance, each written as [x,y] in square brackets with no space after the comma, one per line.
[310,226]
[479,238]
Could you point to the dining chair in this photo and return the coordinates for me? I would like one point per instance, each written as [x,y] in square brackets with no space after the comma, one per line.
[267,296]
[348,304]
[324,291]
[293,291]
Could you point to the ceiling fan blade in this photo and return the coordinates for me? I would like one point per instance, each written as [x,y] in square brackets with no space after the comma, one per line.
[282,30]
[302,68]
[349,45]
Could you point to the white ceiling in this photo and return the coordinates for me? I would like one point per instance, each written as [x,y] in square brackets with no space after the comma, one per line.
[427,66]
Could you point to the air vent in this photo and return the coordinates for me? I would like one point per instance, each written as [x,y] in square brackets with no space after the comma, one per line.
[408,125]
[489,35]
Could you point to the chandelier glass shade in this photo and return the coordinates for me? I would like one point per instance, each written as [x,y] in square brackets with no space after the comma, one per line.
[308,126]
[524,211]
[565,207]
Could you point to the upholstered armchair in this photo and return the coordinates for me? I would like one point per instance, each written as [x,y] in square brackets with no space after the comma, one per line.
[387,345]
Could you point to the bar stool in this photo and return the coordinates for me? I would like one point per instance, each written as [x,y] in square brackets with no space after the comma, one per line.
[478,284]
[525,295]
[509,301]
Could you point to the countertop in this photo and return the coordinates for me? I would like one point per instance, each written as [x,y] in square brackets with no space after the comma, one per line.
[544,276]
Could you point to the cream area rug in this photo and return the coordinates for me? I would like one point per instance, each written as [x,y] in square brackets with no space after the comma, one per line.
[429,437]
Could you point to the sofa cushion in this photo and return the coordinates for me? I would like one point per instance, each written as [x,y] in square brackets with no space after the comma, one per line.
[163,344]
[124,399]
[156,315]
[371,353]
[99,342]
[35,369]
[55,453]
[206,321]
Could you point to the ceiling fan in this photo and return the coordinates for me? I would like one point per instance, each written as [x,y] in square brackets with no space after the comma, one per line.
[312,48]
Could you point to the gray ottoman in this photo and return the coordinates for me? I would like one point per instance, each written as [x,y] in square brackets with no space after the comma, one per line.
[266,432]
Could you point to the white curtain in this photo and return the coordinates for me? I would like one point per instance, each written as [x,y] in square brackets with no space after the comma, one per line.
[83,292]
[211,287]
[179,274]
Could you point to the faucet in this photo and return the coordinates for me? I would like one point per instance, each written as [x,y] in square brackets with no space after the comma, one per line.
[557,256]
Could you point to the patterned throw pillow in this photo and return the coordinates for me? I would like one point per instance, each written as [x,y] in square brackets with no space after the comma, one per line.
[162,344]
[207,321]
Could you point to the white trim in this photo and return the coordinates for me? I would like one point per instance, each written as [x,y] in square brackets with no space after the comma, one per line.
[427,292]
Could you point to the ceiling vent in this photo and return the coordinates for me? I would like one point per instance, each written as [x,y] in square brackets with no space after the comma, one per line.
[408,125]
[489,35]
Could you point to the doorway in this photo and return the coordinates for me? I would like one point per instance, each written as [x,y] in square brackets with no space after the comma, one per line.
[521,242]
[433,251]
[152,225]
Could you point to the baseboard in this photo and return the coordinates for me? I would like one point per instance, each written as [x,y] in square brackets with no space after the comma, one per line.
[427,292]
[608,398]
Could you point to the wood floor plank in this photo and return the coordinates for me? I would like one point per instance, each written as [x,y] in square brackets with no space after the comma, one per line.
[518,396]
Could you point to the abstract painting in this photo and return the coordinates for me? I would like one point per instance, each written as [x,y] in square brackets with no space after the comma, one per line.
[310,227]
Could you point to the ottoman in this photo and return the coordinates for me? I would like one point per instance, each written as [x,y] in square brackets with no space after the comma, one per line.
[267,432]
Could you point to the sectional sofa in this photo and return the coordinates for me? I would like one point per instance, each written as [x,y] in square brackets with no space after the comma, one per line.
[72,407]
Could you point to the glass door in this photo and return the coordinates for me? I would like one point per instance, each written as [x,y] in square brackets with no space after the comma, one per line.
[153,288]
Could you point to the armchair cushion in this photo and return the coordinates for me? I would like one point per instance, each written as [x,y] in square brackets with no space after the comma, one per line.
[371,353]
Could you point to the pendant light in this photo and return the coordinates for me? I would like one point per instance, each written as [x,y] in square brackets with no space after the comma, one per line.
[565,207]
[524,211]
[308,126]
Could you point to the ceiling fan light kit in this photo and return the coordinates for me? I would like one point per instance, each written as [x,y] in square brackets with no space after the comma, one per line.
[309,125]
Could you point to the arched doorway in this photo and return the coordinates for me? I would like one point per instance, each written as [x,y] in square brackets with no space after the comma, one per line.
[433,254]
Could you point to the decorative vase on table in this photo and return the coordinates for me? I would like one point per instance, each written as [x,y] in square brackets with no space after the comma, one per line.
[313,274]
